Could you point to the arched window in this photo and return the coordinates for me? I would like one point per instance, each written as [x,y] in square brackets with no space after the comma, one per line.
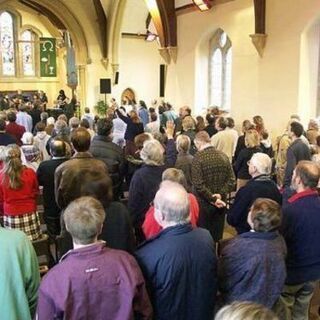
[18,49]
[7,45]
[220,68]
[28,53]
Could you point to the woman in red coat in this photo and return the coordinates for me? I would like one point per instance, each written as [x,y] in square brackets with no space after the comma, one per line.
[150,226]
[18,195]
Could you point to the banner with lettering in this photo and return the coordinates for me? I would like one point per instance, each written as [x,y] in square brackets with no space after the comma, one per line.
[48,57]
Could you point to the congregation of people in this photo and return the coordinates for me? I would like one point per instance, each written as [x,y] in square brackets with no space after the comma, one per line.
[136,204]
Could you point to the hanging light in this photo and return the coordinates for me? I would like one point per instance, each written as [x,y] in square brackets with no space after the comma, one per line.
[203,5]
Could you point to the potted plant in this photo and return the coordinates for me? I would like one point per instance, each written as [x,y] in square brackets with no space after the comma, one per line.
[101,108]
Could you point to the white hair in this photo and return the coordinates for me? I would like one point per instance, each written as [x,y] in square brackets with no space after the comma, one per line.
[262,162]
[27,138]
[152,153]
[51,120]
[172,201]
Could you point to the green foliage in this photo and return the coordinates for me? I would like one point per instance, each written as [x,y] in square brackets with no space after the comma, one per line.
[101,108]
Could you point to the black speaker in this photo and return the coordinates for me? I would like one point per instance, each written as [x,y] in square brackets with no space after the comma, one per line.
[162,79]
[105,86]
[116,79]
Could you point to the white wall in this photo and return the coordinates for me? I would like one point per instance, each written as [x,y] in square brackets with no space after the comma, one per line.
[274,86]
[139,69]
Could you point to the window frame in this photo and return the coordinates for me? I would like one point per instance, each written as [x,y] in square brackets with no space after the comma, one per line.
[18,30]
[214,45]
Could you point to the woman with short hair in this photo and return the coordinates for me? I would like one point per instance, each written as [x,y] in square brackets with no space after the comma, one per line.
[18,194]
[252,265]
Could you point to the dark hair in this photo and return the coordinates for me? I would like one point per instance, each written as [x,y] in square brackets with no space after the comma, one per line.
[296,128]
[86,110]
[210,118]
[58,147]
[230,122]
[222,122]
[153,116]
[84,123]
[188,110]
[100,189]
[309,173]
[265,215]
[152,110]
[2,125]
[80,139]
[40,126]
[143,104]
[104,127]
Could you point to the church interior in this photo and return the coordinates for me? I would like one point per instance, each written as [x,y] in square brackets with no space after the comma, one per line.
[224,59]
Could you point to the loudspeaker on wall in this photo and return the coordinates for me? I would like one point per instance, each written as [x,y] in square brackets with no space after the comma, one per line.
[162,80]
[105,86]
[116,79]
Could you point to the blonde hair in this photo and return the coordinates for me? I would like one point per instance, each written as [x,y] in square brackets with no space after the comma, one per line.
[188,123]
[183,143]
[245,311]
[252,138]
[12,167]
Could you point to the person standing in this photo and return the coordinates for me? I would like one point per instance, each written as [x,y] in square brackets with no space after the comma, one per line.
[179,264]
[300,229]
[19,276]
[297,151]
[212,179]
[92,281]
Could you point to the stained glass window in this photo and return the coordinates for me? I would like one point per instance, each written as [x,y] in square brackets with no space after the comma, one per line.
[220,70]
[7,44]
[27,48]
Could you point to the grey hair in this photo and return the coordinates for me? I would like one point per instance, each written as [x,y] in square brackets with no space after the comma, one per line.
[183,143]
[172,200]
[152,153]
[262,162]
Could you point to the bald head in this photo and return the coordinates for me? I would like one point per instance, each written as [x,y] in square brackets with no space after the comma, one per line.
[58,148]
[171,204]
[308,172]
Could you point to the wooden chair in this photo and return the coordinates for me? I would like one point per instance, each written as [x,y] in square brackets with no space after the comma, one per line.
[42,248]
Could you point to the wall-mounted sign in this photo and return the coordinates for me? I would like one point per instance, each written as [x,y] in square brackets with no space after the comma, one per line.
[48,56]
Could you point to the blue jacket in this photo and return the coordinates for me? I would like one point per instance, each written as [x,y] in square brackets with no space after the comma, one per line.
[179,266]
[258,187]
[301,230]
[252,268]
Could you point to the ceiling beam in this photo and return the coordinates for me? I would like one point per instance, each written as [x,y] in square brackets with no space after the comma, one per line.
[102,21]
[54,19]
[260,16]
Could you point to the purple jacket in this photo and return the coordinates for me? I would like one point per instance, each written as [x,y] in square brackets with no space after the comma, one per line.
[94,282]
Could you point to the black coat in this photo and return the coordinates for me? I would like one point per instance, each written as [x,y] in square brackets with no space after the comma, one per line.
[297,151]
[117,230]
[258,187]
